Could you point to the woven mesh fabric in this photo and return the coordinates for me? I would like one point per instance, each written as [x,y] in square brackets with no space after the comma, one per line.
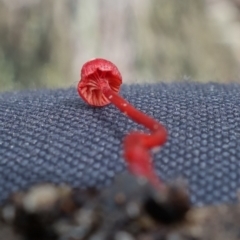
[53,136]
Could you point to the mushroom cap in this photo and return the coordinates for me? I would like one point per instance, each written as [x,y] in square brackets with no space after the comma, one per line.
[93,74]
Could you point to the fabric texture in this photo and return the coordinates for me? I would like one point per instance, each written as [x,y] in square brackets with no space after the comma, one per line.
[53,136]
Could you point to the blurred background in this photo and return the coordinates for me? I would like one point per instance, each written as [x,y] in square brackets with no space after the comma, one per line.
[43,43]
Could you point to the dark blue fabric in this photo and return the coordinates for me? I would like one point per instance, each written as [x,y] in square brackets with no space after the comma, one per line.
[53,136]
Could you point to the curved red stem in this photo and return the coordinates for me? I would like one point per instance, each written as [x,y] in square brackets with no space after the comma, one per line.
[136,144]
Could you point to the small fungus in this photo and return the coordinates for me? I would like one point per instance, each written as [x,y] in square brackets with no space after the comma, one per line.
[99,85]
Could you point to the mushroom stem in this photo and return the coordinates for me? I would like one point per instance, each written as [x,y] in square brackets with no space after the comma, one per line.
[137,145]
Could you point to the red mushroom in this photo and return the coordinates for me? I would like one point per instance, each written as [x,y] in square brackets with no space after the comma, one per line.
[99,85]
